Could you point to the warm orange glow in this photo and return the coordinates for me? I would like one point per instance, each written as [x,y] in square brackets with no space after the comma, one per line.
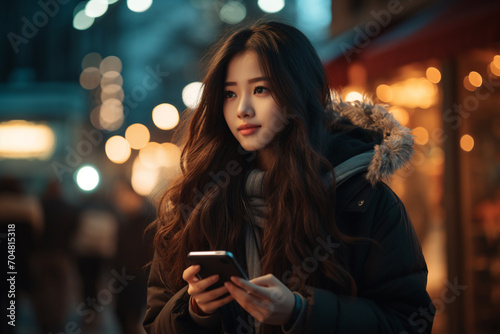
[152,155]
[494,68]
[137,135]
[26,140]
[400,114]
[425,90]
[421,135]
[165,116]
[353,96]
[475,79]
[117,149]
[437,155]
[143,179]
[411,92]
[468,85]
[433,75]
[496,61]
[172,153]
[467,143]
[384,93]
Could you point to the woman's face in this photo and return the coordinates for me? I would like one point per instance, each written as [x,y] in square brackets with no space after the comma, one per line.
[250,111]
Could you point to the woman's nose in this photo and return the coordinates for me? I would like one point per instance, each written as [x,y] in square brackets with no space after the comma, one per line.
[245,107]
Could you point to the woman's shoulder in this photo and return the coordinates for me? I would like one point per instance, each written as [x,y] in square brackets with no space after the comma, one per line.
[361,205]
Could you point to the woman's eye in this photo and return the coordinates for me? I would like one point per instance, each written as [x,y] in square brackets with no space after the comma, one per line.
[260,90]
[229,94]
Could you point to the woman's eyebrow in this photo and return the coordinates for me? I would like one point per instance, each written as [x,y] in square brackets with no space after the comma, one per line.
[232,83]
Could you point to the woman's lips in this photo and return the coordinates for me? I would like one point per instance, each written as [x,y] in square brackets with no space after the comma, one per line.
[248,129]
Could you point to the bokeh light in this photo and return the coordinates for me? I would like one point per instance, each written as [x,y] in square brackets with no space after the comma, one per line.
[152,155]
[172,153]
[94,117]
[496,61]
[191,94]
[90,78]
[400,115]
[20,139]
[233,12]
[494,69]
[139,6]
[143,179]
[437,155]
[353,96]
[421,135]
[111,114]
[112,126]
[137,135]
[384,93]
[81,21]
[111,110]
[92,59]
[271,6]
[87,178]
[467,143]
[117,149]
[96,8]
[165,116]
[475,79]
[112,92]
[111,78]
[414,92]
[468,85]
[433,75]
[110,63]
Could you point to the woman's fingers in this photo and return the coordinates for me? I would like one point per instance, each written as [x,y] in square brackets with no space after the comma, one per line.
[210,301]
[259,308]
[251,288]
[189,274]
[202,285]
[210,295]
[266,298]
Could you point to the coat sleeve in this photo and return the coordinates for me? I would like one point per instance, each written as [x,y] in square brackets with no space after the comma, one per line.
[166,313]
[392,296]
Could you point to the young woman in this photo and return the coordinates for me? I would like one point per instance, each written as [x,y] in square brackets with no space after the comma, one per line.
[290,183]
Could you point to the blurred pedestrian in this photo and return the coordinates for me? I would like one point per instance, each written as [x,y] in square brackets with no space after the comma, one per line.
[133,253]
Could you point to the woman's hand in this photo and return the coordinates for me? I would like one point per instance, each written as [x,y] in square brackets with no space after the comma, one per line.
[207,301]
[265,298]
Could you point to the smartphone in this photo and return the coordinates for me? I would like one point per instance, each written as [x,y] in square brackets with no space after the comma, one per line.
[220,263]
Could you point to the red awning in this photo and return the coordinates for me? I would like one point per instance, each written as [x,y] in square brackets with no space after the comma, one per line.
[462,26]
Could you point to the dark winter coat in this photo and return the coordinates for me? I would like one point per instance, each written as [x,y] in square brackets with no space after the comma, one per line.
[390,272]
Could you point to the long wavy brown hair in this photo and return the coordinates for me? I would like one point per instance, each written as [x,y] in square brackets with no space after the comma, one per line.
[205,207]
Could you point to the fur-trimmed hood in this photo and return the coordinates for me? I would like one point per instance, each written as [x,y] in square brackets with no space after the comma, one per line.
[391,150]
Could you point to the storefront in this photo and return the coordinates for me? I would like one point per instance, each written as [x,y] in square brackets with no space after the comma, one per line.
[439,71]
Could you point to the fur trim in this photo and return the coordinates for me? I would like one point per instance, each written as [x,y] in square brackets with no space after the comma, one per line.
[396,148]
